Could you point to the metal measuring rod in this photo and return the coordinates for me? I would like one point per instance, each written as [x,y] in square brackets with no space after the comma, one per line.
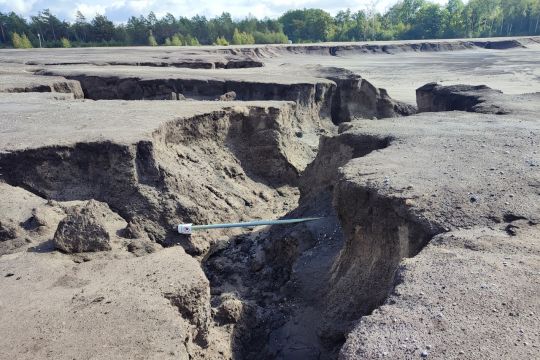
[189,228]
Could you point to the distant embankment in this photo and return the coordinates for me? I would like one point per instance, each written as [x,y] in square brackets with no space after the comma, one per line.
[336,49]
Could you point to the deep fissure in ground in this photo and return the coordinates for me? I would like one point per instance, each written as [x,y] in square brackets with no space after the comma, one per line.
[285,292]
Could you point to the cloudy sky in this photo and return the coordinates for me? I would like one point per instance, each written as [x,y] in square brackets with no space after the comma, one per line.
[120,10]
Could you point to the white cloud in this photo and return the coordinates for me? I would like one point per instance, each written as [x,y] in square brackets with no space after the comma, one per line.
[18,6]
[121,10]
[89,10]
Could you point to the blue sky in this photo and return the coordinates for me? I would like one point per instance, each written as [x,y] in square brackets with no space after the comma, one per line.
[121,10]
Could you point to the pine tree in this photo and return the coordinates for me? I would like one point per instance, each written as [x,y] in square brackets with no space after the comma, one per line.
[221,41]
[152,40]
[20,42]
[65,42]
[176,41]
[16,40]
[237,38]
[26,44]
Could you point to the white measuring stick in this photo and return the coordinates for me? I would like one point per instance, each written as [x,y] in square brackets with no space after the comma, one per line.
[189,228]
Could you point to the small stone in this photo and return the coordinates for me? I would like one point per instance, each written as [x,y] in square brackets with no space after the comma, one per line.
[141,247]
[424,354]
[428,347]
[228,96]
[230,310]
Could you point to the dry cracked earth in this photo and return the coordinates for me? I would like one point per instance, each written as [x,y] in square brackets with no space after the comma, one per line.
[421,158]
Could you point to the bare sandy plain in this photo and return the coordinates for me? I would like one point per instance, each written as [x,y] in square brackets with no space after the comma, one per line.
[427,182]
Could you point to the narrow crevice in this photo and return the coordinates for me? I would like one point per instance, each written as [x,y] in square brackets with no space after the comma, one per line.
[285,276]
[284,292]
[347,98]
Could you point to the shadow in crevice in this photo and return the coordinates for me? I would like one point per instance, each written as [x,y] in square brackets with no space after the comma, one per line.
[280,275]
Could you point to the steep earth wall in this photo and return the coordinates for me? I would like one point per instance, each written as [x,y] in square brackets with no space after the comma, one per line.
[332,93]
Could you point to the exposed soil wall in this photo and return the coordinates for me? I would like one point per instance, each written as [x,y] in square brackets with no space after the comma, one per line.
[241,153]
[434,97]
[359,48]
[346,96]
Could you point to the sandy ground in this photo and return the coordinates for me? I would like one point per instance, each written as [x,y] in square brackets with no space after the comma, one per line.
[71,122]
[429,247]
[474,287]
[514,71]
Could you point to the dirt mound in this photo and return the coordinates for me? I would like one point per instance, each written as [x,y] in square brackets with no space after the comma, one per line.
[500,44]
[118,307]
[436,97]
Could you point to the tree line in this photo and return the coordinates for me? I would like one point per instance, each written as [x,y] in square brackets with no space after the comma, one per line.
[407,19]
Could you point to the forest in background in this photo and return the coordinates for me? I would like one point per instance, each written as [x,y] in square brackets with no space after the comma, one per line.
[407,19]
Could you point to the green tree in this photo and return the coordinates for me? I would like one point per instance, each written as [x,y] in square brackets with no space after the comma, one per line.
[102,29]
[270,38]
[242,38]
[65,42]
[237,38]
[81,27]
[454,21]
[308,25]
[221,41]
[16,41]
[406,19]
[48,26]
[428,22]
[176,40]
[20,41]
[192,41]
[137,29]
[151,39]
